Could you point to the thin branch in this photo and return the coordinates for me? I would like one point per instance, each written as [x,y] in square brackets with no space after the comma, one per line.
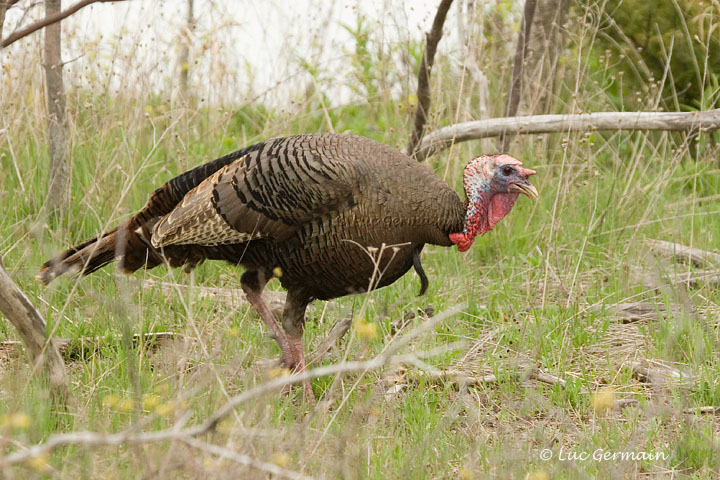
[520,51]
[49,20]
[443,138]
[423,91]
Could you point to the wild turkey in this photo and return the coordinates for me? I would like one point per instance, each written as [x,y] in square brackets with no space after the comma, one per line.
[308,209]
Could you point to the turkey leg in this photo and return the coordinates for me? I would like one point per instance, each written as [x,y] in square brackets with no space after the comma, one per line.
[294,324]
[252,285]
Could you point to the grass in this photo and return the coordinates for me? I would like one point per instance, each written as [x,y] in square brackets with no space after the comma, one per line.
[538,292]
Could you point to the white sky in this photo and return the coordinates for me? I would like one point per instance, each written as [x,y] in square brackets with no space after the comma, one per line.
[246,49]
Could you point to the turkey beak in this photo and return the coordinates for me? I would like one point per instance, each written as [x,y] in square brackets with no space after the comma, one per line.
[525,187]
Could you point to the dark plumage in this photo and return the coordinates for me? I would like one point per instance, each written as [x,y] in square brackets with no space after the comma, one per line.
[311,209]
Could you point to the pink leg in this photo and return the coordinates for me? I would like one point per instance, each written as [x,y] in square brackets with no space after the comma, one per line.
[293,324]
[253,288]
[300,366]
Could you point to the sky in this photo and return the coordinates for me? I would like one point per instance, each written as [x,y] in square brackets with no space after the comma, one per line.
[241,50]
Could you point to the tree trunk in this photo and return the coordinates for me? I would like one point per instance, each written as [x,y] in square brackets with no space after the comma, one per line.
[423,90]
[185,43]
[543,49]
[58,198]
[513,98]
[30,325]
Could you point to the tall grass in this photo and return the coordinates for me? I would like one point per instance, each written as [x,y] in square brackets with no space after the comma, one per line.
[540,290]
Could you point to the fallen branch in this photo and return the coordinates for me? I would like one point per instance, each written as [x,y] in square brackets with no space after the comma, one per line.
[683,253]
[443,138]
[462,379]
[16,307]
[657,374]
[338,331]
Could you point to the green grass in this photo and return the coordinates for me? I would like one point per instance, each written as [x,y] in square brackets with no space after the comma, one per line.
[538,292]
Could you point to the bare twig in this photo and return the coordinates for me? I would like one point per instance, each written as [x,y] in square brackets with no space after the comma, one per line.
[517,74]
[423,91]
[443,138]
[49,20]
[700,258]
[16,307]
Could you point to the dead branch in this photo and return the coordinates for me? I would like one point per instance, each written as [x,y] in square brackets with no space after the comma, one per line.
[657,373]
[338,331]
[49,20]
[517,74]
[443,138]
[683,253]
[423,90]
[16,307]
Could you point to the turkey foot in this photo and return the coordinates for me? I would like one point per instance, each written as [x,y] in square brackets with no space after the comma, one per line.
[300,366]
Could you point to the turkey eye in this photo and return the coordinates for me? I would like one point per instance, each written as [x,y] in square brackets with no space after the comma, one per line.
[507,171]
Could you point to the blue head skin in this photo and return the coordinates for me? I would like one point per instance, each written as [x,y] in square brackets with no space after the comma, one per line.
[492,184]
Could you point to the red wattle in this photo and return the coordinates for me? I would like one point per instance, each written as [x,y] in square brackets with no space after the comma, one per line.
[463,241]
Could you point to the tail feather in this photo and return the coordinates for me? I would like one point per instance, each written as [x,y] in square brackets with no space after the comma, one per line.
[85,258]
